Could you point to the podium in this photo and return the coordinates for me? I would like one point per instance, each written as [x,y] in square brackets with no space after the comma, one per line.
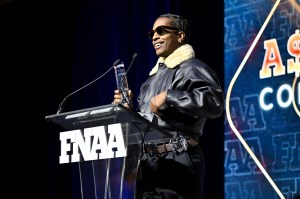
[113,177]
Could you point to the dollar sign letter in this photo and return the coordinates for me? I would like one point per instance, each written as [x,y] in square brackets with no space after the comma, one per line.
[293,47]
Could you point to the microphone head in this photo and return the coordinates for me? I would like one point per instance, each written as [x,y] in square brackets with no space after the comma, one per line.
[134,55]
[117,62]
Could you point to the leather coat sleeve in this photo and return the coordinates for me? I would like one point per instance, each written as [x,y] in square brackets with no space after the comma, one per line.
[195,93]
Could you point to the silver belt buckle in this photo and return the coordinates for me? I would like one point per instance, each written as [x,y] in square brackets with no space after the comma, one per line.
[179,144]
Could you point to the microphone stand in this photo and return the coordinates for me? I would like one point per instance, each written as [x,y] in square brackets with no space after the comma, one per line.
[61,105]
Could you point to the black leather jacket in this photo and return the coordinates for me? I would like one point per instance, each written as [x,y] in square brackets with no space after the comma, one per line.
[193,95]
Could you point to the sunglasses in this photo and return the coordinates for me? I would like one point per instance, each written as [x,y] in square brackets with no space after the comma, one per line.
[161,30]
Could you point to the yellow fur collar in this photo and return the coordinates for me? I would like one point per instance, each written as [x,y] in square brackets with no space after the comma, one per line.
[181,54]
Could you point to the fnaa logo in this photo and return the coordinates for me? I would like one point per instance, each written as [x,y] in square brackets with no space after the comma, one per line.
[92,144]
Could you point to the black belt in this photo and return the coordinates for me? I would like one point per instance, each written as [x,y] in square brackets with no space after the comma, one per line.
[178,144]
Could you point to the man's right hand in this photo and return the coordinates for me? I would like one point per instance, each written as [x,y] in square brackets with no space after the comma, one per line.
[118,97]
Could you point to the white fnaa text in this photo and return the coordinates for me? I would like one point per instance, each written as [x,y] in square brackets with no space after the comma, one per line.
[92,144]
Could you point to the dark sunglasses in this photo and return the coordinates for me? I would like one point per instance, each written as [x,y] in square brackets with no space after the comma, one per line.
[161,30]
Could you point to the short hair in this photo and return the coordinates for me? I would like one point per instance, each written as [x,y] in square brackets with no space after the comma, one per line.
[178,22]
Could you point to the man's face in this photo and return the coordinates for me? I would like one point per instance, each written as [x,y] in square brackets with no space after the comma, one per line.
[168,41]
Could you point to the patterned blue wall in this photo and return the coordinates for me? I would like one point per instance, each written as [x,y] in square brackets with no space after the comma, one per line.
[262,66]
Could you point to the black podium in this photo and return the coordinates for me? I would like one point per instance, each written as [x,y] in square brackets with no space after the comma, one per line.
[106,177]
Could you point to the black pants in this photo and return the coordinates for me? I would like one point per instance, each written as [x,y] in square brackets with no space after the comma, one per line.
[171,175]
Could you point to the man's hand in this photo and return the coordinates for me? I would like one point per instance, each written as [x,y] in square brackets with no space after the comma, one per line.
[157,101]
[118,97]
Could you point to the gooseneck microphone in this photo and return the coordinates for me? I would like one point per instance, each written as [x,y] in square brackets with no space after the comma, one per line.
[132,61]
[61,105]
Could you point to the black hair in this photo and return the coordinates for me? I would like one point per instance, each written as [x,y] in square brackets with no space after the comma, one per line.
[178,22]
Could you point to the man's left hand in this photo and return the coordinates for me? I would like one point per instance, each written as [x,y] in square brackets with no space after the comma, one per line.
[157,101]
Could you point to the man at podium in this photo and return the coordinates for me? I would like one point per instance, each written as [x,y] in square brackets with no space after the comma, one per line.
[180,93]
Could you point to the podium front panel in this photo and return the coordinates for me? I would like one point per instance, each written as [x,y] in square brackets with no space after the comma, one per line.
[111,178]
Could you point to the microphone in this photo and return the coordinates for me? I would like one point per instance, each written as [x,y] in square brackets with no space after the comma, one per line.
[132,61]
[61,105]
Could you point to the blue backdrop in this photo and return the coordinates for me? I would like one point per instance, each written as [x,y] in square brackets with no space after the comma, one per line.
[263,49]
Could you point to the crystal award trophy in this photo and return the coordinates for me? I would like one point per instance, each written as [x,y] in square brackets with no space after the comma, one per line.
[121,80]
